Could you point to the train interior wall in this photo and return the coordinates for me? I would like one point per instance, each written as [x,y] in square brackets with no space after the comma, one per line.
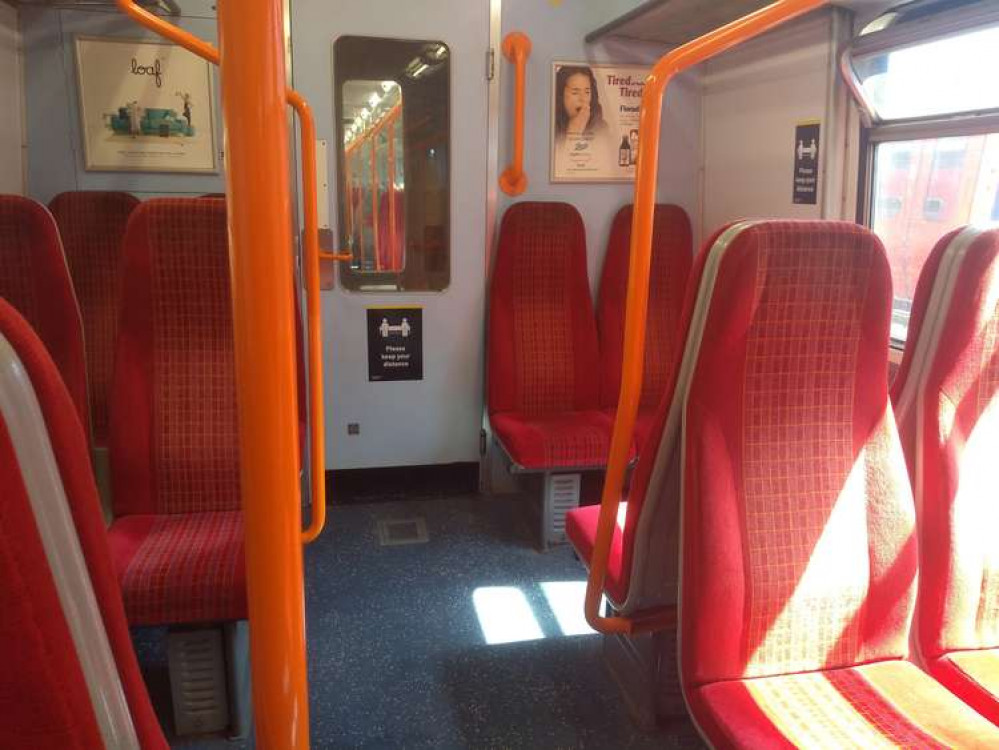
[711,114]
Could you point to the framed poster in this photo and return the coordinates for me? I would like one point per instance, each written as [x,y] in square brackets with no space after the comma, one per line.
[594,124]
[145,106]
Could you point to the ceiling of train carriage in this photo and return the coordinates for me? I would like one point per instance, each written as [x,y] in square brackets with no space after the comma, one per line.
[673,22]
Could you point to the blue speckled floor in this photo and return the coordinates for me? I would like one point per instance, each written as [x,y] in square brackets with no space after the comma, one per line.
[398,659]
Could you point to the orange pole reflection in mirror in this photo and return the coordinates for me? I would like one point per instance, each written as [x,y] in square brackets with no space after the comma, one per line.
[636,307]
[516,49]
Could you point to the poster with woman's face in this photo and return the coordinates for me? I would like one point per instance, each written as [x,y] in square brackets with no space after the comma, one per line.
[594,136]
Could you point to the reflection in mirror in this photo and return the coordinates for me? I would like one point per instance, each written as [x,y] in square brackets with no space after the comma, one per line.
[374,175]
[392,101]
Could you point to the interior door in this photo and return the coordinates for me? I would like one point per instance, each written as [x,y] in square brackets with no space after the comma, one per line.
[434,419]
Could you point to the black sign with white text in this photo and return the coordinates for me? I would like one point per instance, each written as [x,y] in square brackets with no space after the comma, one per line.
[806,164]
[395,343]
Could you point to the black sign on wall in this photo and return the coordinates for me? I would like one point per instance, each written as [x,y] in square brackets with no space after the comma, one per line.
[806,163]
[395,343]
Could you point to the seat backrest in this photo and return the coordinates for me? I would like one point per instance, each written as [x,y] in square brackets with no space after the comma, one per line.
[55,563]
[947,402]
[173,430]
[543,355]
[797,523]
[34,279]
[671,258]
[92,226]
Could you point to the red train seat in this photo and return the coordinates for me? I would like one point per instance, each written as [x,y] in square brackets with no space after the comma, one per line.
[544,366]
[34,279]
[54,561]
[642,566]
[798,551]
[947,402]
[671,259]
[92,226]
[177,537]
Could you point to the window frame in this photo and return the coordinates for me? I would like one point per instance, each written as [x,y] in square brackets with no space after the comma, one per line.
[874,131]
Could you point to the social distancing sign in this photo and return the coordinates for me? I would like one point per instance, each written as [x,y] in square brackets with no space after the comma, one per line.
[395,343]
[806,164]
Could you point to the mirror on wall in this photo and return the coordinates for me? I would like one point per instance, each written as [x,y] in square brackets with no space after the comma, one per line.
[392,99]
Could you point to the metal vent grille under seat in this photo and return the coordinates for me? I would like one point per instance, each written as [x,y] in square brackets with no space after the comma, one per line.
[198,681]
[561,496]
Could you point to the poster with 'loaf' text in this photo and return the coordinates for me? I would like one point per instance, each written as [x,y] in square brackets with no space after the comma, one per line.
[145,106]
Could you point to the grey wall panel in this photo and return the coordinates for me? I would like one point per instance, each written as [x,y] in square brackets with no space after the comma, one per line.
[55,147]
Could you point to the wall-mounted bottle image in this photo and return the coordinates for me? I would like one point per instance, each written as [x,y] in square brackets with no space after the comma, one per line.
[624,153]
[633,142]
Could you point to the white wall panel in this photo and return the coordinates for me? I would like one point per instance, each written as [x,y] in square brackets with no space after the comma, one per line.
[753,97]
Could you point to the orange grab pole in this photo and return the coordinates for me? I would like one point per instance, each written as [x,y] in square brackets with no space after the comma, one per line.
[680,59]
[312,255]
[310,211]
[516,49]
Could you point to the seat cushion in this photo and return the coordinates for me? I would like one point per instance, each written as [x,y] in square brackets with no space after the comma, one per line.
[543,353]
[181,568]
[581,528]
[887,704]
[572,439]
[973,676]
[92,226]
[672,247]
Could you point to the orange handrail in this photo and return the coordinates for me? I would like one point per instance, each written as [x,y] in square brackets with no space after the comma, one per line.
[516,49]
[680,59]
[310,212]
[312,256]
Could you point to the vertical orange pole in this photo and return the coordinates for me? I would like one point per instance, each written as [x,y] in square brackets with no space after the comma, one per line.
[393,252]
[374,200]
[260,232]
[517,48]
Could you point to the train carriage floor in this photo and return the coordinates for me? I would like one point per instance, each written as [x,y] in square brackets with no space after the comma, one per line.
[471,639]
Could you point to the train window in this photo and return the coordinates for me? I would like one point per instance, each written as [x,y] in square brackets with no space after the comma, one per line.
[938,77]
[923,78]
[393,163]
[923,189]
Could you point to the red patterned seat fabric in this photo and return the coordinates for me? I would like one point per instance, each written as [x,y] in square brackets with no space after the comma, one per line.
[799,552]
[206,583]
[43,698]
[177,536]
[581,529]
[92,226]
[544,375]
[34,279]
[947,397]
[671,260]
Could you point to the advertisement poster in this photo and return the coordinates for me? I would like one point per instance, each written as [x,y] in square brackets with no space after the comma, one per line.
[144,106]
[395,343]
[594,129]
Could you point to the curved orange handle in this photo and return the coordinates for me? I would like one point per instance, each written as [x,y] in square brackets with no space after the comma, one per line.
[311,260]
[516,49]
[680,59]
[317,421]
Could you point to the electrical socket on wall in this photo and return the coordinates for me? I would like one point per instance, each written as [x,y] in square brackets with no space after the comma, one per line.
[353,428]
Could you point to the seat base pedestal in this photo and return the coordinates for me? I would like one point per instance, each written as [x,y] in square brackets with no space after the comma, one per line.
[645,669]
